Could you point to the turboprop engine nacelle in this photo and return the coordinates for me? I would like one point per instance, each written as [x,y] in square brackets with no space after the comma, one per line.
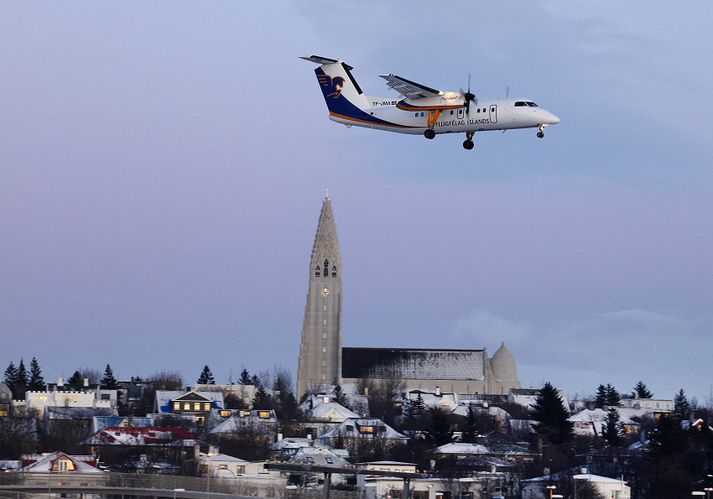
[447,100]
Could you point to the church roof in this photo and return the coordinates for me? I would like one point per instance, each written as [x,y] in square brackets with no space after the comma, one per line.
[412,363]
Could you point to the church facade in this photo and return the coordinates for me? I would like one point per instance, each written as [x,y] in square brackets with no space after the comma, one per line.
[323,360]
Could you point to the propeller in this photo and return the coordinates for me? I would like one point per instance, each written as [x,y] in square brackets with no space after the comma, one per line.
[468,96]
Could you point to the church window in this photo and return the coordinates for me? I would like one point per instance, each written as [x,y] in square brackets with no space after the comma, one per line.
[326,268]
[324,363]
[324,336]
[324,322]
[334,271]
[316,271]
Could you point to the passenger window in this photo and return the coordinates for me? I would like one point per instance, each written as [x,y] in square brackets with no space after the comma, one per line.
[451,112]
[477,110]
[416,115]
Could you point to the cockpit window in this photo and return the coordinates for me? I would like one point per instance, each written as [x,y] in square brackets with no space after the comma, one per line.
[531,104]
[520,104]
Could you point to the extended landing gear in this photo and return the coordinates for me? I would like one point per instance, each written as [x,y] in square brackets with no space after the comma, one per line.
[429,133]
[469,144]
[541,132]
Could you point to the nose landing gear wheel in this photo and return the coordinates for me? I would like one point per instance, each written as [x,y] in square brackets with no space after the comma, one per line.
[468,144]
[429,134]
[540,135]
[541,131]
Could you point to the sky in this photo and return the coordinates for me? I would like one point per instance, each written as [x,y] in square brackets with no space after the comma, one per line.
[163,164]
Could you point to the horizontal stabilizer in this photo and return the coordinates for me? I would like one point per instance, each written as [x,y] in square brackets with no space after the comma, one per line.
[320,60]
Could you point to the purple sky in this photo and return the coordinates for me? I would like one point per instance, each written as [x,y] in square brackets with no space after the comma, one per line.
[162,166]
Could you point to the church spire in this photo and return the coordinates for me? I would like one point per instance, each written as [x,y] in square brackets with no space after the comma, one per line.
[321,345]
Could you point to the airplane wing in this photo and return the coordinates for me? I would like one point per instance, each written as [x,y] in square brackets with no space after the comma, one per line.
[409,88]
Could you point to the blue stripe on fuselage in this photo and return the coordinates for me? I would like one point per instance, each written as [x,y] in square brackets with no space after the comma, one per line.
[340,105]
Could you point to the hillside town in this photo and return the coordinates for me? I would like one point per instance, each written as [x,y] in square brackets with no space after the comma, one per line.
[369,440]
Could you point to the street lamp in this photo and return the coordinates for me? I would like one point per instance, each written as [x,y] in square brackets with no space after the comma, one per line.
[698,493]
[708,491]
[557,496]
[551,488]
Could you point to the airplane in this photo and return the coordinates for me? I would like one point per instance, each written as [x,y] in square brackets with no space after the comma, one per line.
[421,109]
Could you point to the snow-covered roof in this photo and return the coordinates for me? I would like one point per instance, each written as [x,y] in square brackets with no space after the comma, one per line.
[318,456]
[141,437]
[596,478]
[597,415]
[461,448]
[46,463]
[205,458]
[354,427]
[245,418]
[331,411]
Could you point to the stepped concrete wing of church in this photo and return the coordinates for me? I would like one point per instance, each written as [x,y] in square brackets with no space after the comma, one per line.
[323,361]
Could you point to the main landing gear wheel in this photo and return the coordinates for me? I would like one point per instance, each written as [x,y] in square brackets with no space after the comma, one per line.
[540,135]
[429,134]
[468,144]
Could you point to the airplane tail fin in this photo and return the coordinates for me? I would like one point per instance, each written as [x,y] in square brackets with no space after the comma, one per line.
[341,91]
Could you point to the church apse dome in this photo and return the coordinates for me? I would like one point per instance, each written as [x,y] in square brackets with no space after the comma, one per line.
[503,365]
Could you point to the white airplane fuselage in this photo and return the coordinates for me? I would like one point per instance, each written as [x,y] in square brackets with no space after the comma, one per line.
[421,110]
[484,115]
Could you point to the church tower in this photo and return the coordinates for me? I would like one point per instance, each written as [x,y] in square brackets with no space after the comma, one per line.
[321,346]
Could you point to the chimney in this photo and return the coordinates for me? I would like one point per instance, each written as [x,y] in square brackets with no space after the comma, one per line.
[60,382]
[86,382]
[438,391]
[279,437]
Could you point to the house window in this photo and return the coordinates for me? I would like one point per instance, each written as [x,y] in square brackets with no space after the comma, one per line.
[264,414]
[225,413]
[244,414]
[206,406]
[196,406]
[349,427]
[329,460]
[366,429]
[186,406]
[200,420]
[176,406]
[310,459]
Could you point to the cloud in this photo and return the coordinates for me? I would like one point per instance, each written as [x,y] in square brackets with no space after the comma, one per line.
[482,324]
[617,346]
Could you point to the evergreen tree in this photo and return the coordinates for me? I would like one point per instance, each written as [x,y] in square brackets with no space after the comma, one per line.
[438,428]
[245,378]
[551,416]
[22,380]
[612,430]
[470,429]
[75,382]
[612,396]
[286,402]
[681,407]
[22,376]
[417,407]
[642,391]
[11,375]
[109,381]
[262,399]
[37,382]
[601,399]
[255,380]
[339,396]
[206,377]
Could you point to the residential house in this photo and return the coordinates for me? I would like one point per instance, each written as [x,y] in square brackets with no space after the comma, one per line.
[536,488]
[591,422]
[195,407]
[38,401]
[5,400]
[354,432]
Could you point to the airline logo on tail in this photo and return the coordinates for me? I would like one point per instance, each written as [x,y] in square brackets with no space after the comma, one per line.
[333,86]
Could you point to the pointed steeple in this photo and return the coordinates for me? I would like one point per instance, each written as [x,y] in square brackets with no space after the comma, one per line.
[326,244]
[321,346]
